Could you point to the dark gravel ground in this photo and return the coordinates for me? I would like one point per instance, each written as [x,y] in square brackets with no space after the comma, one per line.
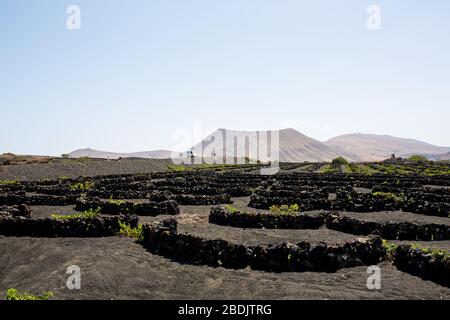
[396,216]
[265,236]
[118,268]
[73,169]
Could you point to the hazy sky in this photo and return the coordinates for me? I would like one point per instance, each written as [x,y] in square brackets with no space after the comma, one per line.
[137,71]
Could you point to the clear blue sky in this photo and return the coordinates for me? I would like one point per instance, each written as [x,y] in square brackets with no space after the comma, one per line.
[140,69]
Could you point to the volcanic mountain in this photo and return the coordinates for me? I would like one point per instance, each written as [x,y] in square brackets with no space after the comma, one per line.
[91,153]
[372,147]
[293,146]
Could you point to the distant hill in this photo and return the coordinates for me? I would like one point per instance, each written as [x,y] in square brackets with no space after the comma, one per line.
[445,156]
[293,146]
[372,147]
[91,153]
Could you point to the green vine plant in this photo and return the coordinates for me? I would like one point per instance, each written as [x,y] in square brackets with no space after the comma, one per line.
[437,253]
[14,294]
[82,186]
[231,209]
[9,182]
[389,196]
[389,247]
[88,214]
[118,202]
[285,209]
[434,252]
[129,232]
[178,168]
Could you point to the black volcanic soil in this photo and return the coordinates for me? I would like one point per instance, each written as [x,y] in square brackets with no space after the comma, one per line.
[265,236]
[40,212]
[118,268]
[396,216]
[72,168]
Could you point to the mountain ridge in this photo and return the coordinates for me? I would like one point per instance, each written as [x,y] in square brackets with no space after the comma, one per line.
[92,153]
[294,146]
[373,147]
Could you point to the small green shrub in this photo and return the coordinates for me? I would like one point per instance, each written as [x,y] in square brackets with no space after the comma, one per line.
[129,232]
[437,171]
[390,247]
[116,201]
[327,168]
[88,214]
[346,169]
[9,182]
[231,209]
[178,168]
[389,196]
[418,158]
[14,294]
[434,252]
[395,169]
[82,186]
[361,168]
[339,161]
[285,209]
